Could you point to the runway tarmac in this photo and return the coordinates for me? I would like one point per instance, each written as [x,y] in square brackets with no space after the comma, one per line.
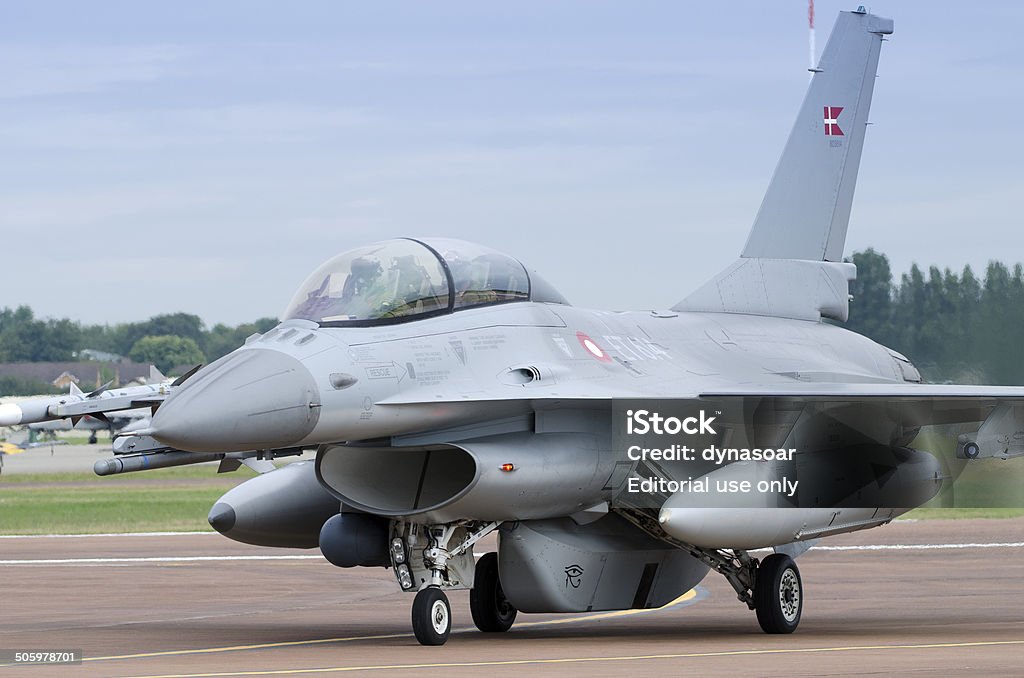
[56,459]
[932,597]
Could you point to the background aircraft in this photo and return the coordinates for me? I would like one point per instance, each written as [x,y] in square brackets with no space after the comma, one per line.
[450,392]
[125,421]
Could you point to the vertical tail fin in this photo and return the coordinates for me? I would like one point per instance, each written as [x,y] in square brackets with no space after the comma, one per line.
[806,210]
[791,266]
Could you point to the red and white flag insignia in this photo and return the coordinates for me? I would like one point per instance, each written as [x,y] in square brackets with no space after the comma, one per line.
[832,121]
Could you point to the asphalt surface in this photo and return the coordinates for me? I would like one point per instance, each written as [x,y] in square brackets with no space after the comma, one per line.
[53,458]
[930,597]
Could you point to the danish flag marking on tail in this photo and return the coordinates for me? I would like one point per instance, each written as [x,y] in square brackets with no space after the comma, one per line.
[832,121]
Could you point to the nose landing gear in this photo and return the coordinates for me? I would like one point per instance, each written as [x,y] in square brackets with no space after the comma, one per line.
[431,616]
[446,562]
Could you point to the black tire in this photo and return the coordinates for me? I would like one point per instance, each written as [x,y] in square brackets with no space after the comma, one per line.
[492,613]
[431,617]
[778,594]
[971,450]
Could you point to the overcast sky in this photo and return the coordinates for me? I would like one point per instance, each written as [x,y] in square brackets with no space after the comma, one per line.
[205,157]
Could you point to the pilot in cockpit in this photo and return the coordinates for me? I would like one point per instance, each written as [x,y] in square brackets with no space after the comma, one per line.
[470,278]
[411,289]
[364,288]
[364,274]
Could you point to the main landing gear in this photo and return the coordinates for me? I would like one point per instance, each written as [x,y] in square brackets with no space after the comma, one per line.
[772,587]
[778,594]
[491,610]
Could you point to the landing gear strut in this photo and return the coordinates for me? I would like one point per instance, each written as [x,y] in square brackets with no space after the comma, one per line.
[492,613]
[771,588]
[432,558]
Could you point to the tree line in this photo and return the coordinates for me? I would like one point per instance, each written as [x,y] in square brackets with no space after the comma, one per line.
[167,340]
[955,327]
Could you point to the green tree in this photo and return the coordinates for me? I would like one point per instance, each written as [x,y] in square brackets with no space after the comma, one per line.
[223,339]
[166,351]
[995,349]
[968,367]
[909,309]
[935,336]
[23,338]
[184,325]
[871,307]
[100,338]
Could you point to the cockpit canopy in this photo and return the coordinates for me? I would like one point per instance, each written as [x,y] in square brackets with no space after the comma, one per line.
[405,279]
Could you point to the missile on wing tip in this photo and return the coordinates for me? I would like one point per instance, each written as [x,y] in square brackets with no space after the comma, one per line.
[10,414]
[27,411]
[76,404]
[146,462]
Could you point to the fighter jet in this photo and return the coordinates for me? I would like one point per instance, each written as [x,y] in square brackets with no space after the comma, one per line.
[126,421]
[125,410]
[451,392]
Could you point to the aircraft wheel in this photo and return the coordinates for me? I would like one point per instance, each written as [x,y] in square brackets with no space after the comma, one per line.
[492,613]
[92,438]
[778,594]
[971,450]
[431,617]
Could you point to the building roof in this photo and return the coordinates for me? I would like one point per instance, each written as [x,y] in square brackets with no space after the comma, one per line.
[88,374]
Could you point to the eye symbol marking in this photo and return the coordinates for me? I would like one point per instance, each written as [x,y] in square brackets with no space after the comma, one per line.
[573,576]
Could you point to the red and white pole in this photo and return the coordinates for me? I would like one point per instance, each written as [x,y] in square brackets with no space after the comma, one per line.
[810,26]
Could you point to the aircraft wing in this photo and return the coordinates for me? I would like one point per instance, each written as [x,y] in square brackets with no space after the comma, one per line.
[998,409]
[871,391]
[589,393]
[950,394]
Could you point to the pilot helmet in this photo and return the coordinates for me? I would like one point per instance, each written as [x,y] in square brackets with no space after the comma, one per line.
[365,269]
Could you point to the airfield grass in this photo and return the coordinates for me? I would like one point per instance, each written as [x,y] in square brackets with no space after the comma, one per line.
[962,513]
[165,500]
[200,473]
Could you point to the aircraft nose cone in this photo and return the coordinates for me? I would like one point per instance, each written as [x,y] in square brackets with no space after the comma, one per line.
[222,517]
[251,399]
